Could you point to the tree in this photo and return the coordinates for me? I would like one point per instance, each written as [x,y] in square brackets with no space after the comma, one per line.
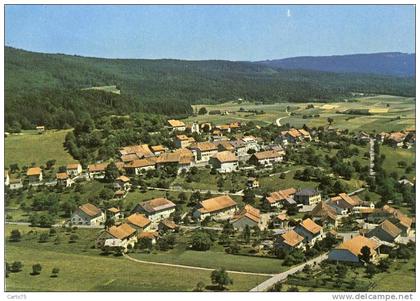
[201,241]
[246,234]
[43,237]
[200,287]
[277,287]
[111,172]
[73,238]
[36,269]
[330,120]
[365,254]
[16,267]
[221,278]
[249,196]
[15,236]
[50,164]
[202,111]
[371,270]
[54,272]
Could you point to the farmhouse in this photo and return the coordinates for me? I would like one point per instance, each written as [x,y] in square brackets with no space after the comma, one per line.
[325,214]
[40,129]
[248,216]
[150,235]
[225,146]
[224,162]
[156,209]
[307,196]
[74,169]
[289,240]
[34,175]
[134,152]
[117,237]
[203,151]
[310,231]
[97,171]
[15,184]
[350,250]
[293,136]
[137,166]
[182,141]
[281,220]
[114,214]
[401,220]
[218,208]
[63,179]
[182,157]
[386,231]
[158,149]
[277,198]
[139,222]
[343,203]
[252,183]
[176,125]
[123,183]
[266,158]
[88,214]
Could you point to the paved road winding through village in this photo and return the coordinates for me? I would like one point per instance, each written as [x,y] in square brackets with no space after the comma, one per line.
[282,276]
[190,267]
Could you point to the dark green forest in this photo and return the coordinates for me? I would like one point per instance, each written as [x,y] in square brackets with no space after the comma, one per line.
[46,88]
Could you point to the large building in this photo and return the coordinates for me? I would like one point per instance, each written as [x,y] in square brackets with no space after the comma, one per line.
[350,250]
[266,158]
[156,209]
[310,231]
[307,196]
[276,199]
[218,208]
[224,162]
[89,215]
[248,216]
[203,151]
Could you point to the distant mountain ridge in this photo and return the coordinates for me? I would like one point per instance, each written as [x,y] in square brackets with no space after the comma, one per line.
[385,63]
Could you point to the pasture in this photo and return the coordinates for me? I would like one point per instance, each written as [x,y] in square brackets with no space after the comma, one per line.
[31,147]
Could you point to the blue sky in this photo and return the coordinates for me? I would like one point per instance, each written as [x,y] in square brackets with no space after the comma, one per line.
[210,32]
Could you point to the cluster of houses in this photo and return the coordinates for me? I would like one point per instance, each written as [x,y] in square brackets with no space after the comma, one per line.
[406,139]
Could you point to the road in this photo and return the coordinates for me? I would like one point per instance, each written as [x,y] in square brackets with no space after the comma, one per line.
[191,267]
[282,276]
[278,119]
[372,157]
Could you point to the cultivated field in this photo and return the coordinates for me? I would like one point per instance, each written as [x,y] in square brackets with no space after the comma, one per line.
[32,147]
[386,113]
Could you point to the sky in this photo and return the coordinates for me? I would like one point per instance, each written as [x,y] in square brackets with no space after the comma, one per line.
[197,32]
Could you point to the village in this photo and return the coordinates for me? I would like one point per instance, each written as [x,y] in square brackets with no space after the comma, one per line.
[294,224]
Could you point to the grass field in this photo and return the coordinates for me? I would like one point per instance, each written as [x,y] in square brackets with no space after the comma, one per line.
[32,147]
[388,113]
[83,269]
[393,156]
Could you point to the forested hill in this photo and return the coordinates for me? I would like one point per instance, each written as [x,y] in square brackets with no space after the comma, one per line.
[46,88]
[386,63]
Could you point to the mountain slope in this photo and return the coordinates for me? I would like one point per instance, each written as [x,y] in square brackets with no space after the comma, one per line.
[389,63]
[47,88]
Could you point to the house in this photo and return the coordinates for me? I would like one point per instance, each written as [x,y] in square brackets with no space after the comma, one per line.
[343,203]
[395,139]
[183,158]
[151,235]
[135,152]
[34,175]
[74,169]
[401,220]
[248,216]
[193,128]
[122,183]
[349,250]
[97,171]
[289,240]
[40,129]
[119,238]
[135,167]
[158,149]
[114,213]
[252,183]
[310,231]
[251,143]
[120,194]
[241,150]
[277,198]
[167,225]
[156,209]
[224,146]
[176,125]
[386,231]
[281,221]
[139,222]
[89,215]
[203,151]
[218,208]
[224,162]
[266,158]
[293,136]
[307,196]
[325,214]
[63,179]
[182,141]
[15,184]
